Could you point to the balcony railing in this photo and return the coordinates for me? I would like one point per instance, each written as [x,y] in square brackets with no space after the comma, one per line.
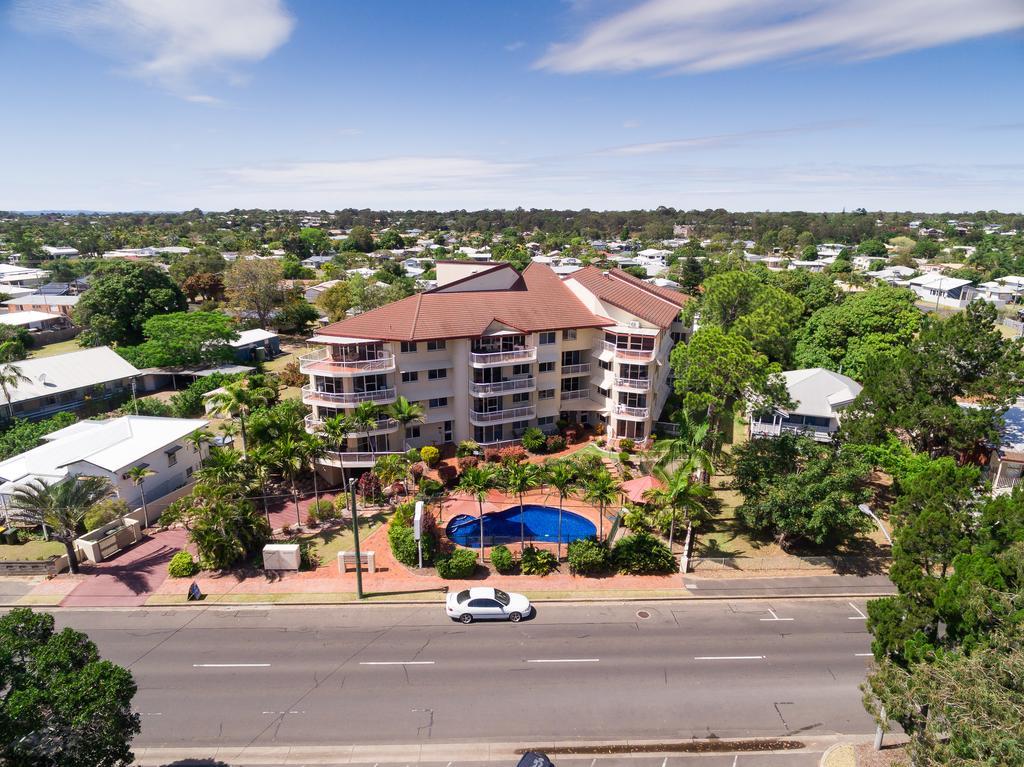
[576,370]
[629,355]
[353,459]
[314,396]
[499,416]
[486,359]
[322,363]
[384,426]
[576,394]
[511,386]
[633,384]
[632,412]
[764,429]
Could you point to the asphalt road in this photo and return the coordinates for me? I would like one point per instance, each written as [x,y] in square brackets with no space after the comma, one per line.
[406,674]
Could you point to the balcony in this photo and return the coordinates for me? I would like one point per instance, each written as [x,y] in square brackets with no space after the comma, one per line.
[575,394]
[633,413]
[322,363]
[509,357]
[497,388]
[313,396]
[354,460]
[766,429]
[576,370]
[384,426]
[629,355]
[478,418]
[633,384]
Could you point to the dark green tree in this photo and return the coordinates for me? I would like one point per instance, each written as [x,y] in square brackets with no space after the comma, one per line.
[120,301]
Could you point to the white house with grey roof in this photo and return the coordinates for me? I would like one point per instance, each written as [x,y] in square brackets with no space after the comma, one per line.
[67,382]
[818,397]
[110,449]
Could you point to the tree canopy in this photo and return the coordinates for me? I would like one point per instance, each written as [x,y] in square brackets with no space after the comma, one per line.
[254,287]
[125,295]
[184,338]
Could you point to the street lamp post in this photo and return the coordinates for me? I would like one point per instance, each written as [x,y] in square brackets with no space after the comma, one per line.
[355,538]
[865,509]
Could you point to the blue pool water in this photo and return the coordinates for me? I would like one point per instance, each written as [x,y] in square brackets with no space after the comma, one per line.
[503,526]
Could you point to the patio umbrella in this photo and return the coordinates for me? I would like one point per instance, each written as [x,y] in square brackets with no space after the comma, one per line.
[634,489]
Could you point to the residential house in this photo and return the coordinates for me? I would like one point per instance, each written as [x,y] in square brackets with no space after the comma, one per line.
[995,292]
[940,290]
[110,449]
[63,305]
[34,321]
[67,382]
[314,292]
[21,276]
[818,397]
[317,262]
[256,345]
[490,352]
[59,252]
[1006,460]
[894,275]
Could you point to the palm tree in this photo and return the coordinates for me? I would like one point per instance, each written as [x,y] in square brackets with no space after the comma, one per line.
[364,419]
[314,448]
[238,400]
[406,412]
[61,506]
[392,468]
[336,431]
[259,478]
[10,376]
[197,439]
[477,480]
[603,489]
[138,475]
[680,496]
[563,476]
[289,458]
[229,429]
[520,478]
[689,446]
[223,467]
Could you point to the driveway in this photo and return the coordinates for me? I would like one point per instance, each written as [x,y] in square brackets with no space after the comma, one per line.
[128,579]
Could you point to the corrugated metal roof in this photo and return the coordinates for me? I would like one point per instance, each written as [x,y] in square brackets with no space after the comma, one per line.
[53,375]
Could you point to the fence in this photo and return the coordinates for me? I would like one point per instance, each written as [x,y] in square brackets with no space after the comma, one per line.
[768,564]
[1016,326]
[50,566]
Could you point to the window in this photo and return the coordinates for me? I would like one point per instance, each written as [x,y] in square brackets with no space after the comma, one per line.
[449,431]
[433,346]
[412,432]
[605,364]
[546,394]
[546,420]
[547,337]
[569,334]
[438,402]
[520,397]
[602,392]
[408,347]
[433,375]
[520,370]
[172,458]
[546,367]
[408,376]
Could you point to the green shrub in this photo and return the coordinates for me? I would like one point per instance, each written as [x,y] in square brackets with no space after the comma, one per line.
[413,455]
[321,511]
[430,455]
[504,560]
[341,505]
[626,445]
[105,511]
[430,488]
[182,565]
[400,536]
[643,554]
[624,457]
[308,558]
[555,443]
[534,440]
[466,447]
[637,519]
[587,556]
[538,561]
[459,564]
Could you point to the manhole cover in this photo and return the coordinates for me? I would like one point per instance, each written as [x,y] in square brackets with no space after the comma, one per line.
[642,614]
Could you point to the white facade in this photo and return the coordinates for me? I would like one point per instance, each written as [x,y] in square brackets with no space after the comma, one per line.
[818,397]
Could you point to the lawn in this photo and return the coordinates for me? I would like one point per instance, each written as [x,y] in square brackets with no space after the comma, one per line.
[52,350]
[30,551]
[328,543]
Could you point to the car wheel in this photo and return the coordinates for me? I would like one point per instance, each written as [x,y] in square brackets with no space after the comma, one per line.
[515,617]
[466,618]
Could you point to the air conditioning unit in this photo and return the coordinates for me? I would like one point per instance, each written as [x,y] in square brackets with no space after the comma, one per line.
[634,324]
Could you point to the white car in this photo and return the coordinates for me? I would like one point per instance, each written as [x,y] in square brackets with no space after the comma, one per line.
[486,604]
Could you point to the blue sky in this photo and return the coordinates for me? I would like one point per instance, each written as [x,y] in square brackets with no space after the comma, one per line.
[740,104]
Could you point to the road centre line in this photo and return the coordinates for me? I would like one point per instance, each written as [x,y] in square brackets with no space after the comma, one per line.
[230,665]
[396,663]
[863,654]
[859,616]
[565,660]
[730,657]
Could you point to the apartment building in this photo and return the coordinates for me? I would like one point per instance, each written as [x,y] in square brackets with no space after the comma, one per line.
[490,352]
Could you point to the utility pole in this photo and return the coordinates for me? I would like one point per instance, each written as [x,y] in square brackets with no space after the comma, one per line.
[355,536]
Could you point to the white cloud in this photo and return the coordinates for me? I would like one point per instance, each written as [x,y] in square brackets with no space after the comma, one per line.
[707,35]
[167,42]
[514,46]
[725,139]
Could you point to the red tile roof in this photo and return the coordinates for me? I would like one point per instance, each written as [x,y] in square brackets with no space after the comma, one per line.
[659,306]
[538,301]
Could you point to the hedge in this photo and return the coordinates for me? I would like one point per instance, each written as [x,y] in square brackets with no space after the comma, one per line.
[182,565]
[643,554]
[587,556]
[537,561]
[504,560]
[459,564]
[400,536]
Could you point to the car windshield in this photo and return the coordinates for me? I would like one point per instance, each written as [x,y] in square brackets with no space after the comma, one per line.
[501,596]
[462,597]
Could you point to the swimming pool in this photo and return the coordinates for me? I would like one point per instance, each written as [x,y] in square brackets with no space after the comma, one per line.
[503,526]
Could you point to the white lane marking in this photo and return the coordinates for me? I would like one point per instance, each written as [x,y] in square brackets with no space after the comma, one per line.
[859,616]
[230,665]
[729,657]
[281,713]
[775,617]
[863,654]
[151,713]
[565,660]
[663,762]
[735,760]
[396,663]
